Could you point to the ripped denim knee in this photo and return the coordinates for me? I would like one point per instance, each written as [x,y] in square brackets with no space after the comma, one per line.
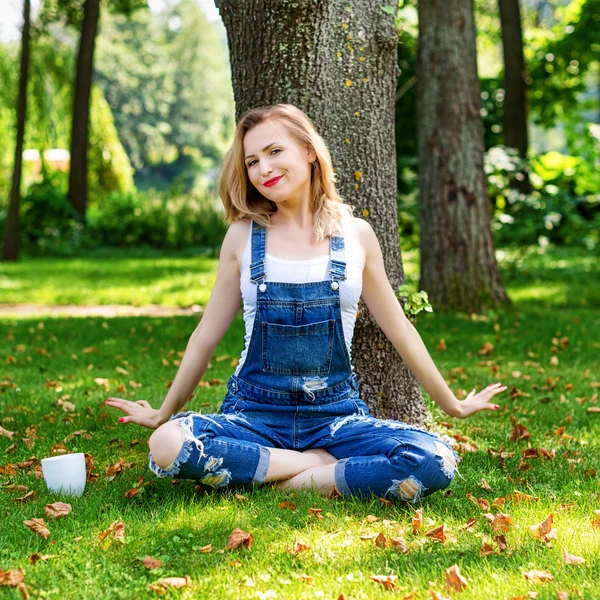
[214,474]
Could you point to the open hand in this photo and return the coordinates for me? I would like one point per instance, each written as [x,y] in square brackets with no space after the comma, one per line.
[139,412]
[481,401]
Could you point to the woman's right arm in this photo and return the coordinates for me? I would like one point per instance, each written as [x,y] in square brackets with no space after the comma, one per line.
[222,306]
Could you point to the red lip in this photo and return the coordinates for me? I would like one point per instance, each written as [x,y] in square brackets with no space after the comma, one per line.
[273,181]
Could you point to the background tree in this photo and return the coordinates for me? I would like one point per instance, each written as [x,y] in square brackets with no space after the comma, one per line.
[458,263]
[338,62]
[10,250]
[515,86]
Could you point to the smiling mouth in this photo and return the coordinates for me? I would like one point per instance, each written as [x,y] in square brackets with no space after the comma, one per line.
[272,182]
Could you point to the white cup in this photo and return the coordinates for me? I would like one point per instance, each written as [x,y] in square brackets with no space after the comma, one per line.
[65,473]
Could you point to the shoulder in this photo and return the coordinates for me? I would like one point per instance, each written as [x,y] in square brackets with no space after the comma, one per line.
[363,233]
[236,239]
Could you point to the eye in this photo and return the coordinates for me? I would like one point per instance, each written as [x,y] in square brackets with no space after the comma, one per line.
[253,161]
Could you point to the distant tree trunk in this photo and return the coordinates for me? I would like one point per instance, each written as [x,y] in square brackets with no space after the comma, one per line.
[78,175]
[10,251]
[308,54]
[458,263]
[515,86]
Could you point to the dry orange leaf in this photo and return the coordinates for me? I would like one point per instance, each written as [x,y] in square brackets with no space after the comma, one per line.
[371,518]
[499,521]
[238,537]
[380,540]
[417,521]
[486,549]
[316,513]
[117,528]
[519,432]
[39,526]
[455,582]
[152,563]
[58,509]
[538,576]
[6,433]
[11,578]
[132,492]
[544,531]
[287,504]
[387,581]
[517,496]
[163,585]
[308,579]
[399,544]
[36,556]
[501,541]
[437,533]
[206,549]
[481,502]
[596,519]
[499,503]
[469,524]
[299,547]
[571,559]
[31,495]
[562,596]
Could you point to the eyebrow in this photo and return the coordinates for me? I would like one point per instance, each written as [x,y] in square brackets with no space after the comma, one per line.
[264,149]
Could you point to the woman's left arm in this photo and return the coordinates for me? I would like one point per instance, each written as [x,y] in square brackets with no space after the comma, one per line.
[387,311]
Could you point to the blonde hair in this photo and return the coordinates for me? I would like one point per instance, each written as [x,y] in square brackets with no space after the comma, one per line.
[241,199]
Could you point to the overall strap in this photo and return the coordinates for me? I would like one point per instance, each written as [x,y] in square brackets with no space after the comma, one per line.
[338,258]
[258,246]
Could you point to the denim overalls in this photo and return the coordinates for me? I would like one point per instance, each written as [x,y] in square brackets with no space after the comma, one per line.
[297,390]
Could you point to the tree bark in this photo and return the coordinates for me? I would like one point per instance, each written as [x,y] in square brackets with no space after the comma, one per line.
[514,118]
[10,251]
[458,263]
[78,175]
[309,54]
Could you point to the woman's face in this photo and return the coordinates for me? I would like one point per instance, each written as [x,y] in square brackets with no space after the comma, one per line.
[271,153]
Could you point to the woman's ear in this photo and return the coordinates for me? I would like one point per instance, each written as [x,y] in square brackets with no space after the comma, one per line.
[312,154]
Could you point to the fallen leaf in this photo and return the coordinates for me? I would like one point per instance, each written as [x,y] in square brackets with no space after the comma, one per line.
[380,540]
[469,524]
[287,504]
[132,492]
[308,579]
[455,582]
[571,559]
[36,556]
[399,544]
[11,578]
[163,585]
[316,513]
[499,521]
[484,485]
[544,531]
[58,509]
[152,563]
[517,496]
[387,581]
[371,518]
[117,528]
[6,433]
[39,526]
[436,595]
[299,547]
[481,502]
[501,541]
[206,549]
[417,521]
[238,537]
[486,549]
[538,576]
[437,533]
[31,495]
[335,493]
[519,433]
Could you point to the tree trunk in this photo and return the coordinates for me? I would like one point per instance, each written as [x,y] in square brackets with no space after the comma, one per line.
[515,86]
[458,263]
[78,175]
[10,250]
[309,54]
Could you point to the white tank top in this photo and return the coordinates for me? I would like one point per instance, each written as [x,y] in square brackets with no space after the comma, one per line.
[305,271]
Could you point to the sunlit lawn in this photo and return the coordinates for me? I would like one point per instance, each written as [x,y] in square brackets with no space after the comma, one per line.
[544,348]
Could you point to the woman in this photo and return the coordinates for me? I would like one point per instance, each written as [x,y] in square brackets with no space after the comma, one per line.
[292,414]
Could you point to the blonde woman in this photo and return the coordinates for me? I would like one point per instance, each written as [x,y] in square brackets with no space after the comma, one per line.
[300,262]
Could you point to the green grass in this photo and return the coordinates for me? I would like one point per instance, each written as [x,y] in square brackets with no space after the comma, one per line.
[173,522]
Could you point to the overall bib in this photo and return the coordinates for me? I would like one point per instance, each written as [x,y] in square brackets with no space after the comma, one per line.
[297,390]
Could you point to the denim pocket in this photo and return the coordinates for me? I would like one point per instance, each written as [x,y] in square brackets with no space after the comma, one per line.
[298,349]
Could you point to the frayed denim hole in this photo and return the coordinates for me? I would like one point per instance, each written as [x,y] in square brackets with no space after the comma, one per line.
[409,489]
[341,421]
[447,459]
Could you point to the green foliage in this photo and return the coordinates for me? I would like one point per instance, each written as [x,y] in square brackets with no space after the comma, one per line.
[156,220]
[49,223]
[555,211]
[413,302]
